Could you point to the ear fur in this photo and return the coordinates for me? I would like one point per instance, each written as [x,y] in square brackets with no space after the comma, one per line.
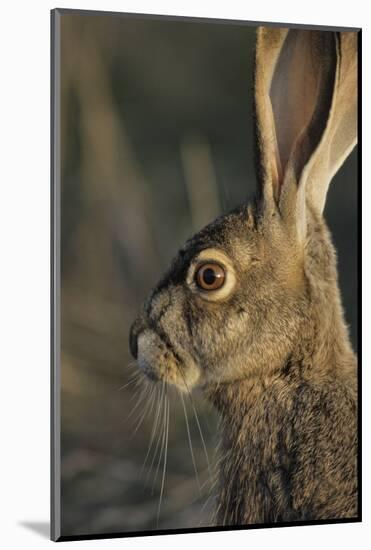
[268,47]
[340,136]
[306,105]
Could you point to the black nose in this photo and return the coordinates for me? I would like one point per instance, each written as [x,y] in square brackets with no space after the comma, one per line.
[136,328]
[133,339]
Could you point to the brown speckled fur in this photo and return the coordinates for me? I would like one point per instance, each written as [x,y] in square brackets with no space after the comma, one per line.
[273,355]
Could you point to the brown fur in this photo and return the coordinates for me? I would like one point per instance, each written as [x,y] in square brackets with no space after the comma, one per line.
[270,348]
[289,435]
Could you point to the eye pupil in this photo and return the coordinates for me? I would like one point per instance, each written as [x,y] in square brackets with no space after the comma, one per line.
[210,276]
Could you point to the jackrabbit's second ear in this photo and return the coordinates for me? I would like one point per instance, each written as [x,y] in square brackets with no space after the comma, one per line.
[306,110]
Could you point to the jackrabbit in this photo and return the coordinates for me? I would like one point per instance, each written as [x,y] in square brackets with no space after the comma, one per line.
[250,309]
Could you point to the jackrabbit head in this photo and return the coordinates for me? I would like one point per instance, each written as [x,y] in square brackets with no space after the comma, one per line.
[242,292]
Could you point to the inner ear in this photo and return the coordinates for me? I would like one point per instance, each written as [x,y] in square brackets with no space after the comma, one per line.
[300,94]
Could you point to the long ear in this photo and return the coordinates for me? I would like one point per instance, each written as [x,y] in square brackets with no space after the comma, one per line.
[340,135]
[306,104]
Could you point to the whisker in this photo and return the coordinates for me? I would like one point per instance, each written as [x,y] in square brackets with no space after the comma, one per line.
[145,391]
[190,440]
[200,431]
[154,431]
[143,394]
[197,421]
[141,385]
[154,427]
[212,482]
[132,380]
[163,438]
[147,410]
[204,506]
[165,460]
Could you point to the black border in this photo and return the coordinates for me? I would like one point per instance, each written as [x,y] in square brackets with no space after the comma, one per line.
[359,267]
[55,481]
[150,533]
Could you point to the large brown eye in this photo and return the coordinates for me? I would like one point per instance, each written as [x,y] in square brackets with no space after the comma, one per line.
[210,276]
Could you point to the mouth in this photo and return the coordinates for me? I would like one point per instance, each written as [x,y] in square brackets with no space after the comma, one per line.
[159,359]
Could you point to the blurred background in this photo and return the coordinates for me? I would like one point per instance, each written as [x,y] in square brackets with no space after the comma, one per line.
[156,133]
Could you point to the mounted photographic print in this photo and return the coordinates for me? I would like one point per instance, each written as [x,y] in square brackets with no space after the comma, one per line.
[204,275]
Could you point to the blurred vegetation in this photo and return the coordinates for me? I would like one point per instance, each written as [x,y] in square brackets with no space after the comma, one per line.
[156,141]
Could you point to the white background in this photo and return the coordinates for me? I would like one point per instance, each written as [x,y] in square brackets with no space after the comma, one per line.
[24,256]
